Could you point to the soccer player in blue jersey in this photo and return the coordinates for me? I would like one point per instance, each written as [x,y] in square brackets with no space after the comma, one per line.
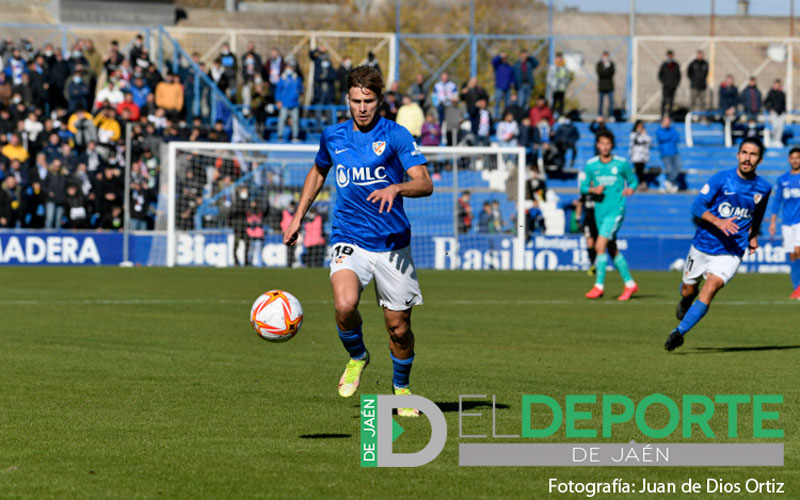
[370,234]
[787,196]
[730,208]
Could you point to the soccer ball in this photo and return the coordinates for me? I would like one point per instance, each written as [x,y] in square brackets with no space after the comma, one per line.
[276,316]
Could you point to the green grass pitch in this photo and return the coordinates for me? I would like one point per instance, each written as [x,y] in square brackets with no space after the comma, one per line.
[150,383]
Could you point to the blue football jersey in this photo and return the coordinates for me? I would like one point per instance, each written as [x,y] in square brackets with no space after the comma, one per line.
[726,195]
[787,195]
[363,163]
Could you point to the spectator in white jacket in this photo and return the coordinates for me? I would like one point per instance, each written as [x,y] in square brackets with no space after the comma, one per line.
[640,151]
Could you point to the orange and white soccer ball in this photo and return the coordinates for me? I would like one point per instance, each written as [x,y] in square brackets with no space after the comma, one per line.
[276,316]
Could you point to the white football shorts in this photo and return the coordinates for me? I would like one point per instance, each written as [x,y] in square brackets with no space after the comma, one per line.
[700,264]
[791,237]
[396,285]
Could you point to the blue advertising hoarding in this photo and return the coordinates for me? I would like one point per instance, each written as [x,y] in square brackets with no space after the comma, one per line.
[466,252]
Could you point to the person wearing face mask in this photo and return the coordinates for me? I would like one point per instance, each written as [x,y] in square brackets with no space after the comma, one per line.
[252,66]
[136,48]
[287,100]
[77,92]
[230,67]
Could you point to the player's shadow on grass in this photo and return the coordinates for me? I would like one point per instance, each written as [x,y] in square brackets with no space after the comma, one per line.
[325,436]
[469,405]
[716,350]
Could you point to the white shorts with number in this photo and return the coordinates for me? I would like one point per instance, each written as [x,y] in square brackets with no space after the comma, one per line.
[700,264]
[791,237]
[396,285]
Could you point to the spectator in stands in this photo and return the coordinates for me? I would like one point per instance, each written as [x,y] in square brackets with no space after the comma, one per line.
[108,128]
[25,90]
[273,68]
[565,138]
[640,152]
[751,99]
[775,103]
[15,66]
[605,84]
[341,76]
[218,76]
[530,140]
[128,105]
[136,48]
[75,206]
[58,74]
[445,94]
[503,80]
[95,60]
[55,191]
[541,112]
[286,218]
[558,79]
[169,96]
[230,68]
[471,93]
[410,116]
[485,219]
[728,97]
[668,139]
[77,92]
[431,134]
[14,150]
[33,127]
[515,108]
[697,72]
[391,103]
[112,220]
[523,77]
[251,64]
[109,95]
[597,126]
[287,100]
[10,202]
[313,239]
[481,122]
[324,75]
[418,91]
[507,132]
[464,214]
[113,58]
[669,74]
[372,62]
[5,90]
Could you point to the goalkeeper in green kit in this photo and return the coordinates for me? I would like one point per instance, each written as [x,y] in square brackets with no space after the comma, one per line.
[609,179]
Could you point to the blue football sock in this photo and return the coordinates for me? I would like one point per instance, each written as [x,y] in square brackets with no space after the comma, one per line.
[693,315]
[401,370]
[353,341]
[600,266]
[795,273]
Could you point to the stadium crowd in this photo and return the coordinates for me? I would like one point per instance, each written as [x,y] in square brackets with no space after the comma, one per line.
[63,118]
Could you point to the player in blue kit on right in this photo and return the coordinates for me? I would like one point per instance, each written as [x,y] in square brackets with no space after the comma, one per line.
[730,208]
[787,196]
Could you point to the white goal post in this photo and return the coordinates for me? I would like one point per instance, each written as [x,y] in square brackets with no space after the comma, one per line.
[200,203]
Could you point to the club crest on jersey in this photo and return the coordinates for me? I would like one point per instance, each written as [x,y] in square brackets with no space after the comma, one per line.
[757,197]
[614,170]
[378,147]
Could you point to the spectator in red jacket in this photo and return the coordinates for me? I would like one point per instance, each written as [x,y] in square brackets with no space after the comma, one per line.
[541,112]
[131,106]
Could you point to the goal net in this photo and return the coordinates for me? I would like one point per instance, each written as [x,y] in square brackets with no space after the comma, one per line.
[227,205]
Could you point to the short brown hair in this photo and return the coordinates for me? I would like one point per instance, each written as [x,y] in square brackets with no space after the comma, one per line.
[365,77]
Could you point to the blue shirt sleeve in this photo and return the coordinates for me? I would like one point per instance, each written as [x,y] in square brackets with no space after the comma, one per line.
[706,196]
[323,159]
[406,149]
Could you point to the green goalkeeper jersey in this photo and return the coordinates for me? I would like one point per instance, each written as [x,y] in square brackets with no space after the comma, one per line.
[615,175]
